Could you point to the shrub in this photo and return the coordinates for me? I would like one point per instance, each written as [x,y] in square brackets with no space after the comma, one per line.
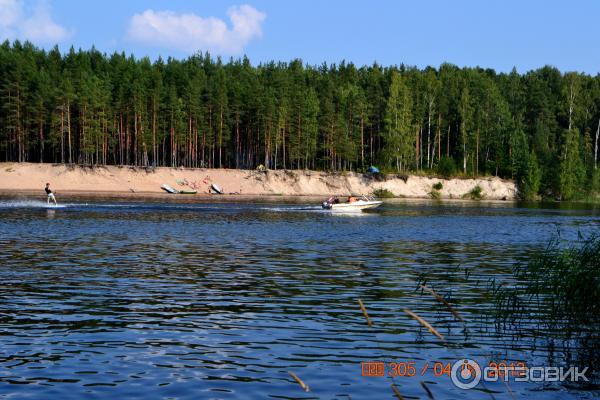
[437,186]
[529,179]
[434,194]
[379,177]
[383,193]
[446,166]
[475,194]
[404,177]
[595,186]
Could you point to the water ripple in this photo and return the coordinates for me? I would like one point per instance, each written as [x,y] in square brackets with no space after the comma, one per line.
[220,301]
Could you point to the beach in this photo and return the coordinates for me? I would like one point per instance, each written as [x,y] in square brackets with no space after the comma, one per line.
[31,177]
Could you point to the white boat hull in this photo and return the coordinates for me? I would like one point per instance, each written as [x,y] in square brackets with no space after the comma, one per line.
[354,206]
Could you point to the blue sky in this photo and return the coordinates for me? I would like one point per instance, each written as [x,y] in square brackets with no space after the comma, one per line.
[496,34]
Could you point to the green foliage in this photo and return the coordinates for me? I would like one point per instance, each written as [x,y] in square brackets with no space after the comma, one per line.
[533,177]
[435,194]
[435,191]
[475,194]
[571,167]
[520,151]
[91,108]
[570,277]
[466,125]
[383,193]
[446,167]
[529,178]
[595,183]
[398,122]
[561,287]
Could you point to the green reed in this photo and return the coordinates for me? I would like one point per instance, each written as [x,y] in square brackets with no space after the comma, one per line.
[559,289]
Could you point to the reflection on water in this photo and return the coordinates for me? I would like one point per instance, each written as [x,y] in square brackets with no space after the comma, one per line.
[208,300]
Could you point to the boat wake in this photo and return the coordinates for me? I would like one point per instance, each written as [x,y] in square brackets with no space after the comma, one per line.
[39,204]
[29,204]
[293,209]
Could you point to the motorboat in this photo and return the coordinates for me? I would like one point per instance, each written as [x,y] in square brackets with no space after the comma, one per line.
[353,204]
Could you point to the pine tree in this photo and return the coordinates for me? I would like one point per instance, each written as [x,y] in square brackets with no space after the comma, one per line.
[466,125]
[533,178]
[571,166]
[398,126]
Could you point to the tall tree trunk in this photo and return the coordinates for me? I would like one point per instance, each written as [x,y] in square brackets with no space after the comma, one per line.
[464,157]
[283,145]
[477,154]
[596,146]
[196,144]
[82,142]
[237,143]
[371,144]
[362,142]
[439,135]
[210,131]
[448,142]
[121,139]
[62,135]
[203,148]
[190,146]
[417,146]
[154,148]
[299,141]
[421,147]
[276,149]
[220,138]
[127,142]
[267,145]
[135,138]
[172,138]
[144,148]
[428,135]
[571,103]
[69,132]
[104,140]
[19,132]
[41,135]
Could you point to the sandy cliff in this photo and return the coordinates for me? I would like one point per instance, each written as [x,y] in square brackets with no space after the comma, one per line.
[28,176]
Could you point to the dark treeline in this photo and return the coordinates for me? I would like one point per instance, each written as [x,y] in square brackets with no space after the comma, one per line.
[85,107]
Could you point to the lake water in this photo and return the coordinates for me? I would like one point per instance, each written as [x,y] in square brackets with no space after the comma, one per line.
[194,300]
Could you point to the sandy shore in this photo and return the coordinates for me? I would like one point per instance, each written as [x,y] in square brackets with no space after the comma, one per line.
[30,177]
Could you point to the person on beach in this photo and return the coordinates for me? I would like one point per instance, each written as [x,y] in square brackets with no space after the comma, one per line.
[50,194]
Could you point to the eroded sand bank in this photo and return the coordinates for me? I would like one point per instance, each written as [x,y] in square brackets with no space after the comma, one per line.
[31,176]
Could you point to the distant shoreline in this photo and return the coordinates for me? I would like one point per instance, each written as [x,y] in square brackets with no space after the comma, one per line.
[125,181]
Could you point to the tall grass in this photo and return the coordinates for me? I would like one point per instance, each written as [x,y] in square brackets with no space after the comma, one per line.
[563,282]
[560,288]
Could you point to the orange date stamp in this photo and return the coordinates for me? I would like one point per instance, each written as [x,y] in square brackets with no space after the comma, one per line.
[403,368]
[373,368]
[437,368]
[467,373]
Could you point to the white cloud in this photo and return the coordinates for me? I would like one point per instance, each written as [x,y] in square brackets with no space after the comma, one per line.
[10,14]
[37,25]
[191,32]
